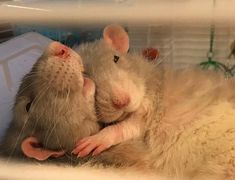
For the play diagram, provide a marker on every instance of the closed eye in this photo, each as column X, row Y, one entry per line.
column 28, row 106
column 115, row 58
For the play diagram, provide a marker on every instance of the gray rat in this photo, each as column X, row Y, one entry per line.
column 52, row 104
column 187, row 115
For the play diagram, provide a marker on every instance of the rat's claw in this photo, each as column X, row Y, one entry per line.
column 87, row 150
column 96, row 142
column 85, row 146
column 80, row 146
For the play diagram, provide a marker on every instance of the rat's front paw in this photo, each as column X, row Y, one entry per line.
column 95, row 143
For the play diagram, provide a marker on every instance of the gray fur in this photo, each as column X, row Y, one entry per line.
column 58, row 116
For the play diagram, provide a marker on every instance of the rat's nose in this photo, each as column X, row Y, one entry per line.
column 60, row 50
column 120, row 101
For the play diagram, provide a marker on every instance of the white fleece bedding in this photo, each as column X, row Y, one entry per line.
column 20, row 171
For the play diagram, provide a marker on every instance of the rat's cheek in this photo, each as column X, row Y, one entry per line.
column 88, row 88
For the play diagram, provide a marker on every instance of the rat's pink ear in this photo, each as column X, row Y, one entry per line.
column 117, row 38
column 32, row 149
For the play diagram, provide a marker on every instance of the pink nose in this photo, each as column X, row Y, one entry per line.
column 121, row 102
column 60, row 50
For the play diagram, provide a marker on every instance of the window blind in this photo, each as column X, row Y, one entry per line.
column 184, row 43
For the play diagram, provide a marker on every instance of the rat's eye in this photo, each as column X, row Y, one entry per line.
column 115, row 58
column 28, row 106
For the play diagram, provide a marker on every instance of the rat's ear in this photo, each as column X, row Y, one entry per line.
column 33, row 149
column 117, row 38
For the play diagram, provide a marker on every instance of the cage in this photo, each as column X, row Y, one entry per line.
column 183, row 33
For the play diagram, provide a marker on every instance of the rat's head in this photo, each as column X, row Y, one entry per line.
column 55, row 103
column 120, row 87
column 57, row 82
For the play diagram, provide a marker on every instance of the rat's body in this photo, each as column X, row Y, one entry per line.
column 189, row 114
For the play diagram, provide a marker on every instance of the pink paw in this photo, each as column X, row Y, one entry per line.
column 95, row 143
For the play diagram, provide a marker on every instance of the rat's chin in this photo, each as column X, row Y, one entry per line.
column 88, row 87
column 112, row 117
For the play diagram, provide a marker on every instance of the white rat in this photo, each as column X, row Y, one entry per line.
column 186, row 116
column 119, row 98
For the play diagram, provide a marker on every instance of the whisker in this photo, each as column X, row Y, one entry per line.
column 50, row 130
column 17, row 140
column 41, row 93
column 22, row 90
column 53, row 120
